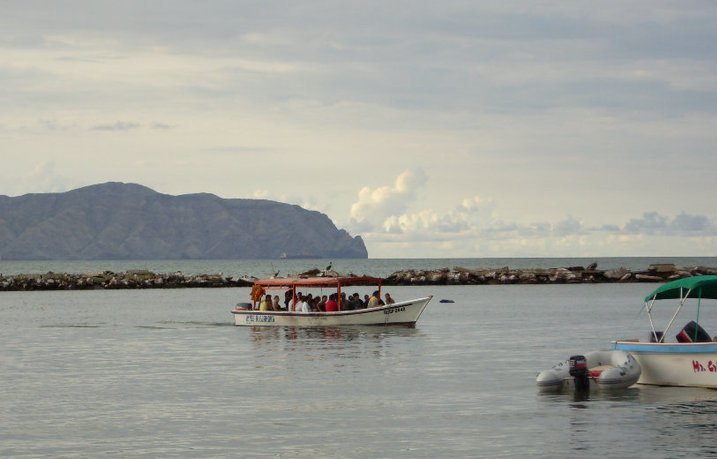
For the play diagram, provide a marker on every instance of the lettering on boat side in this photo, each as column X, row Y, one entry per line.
column 698, row 367
column 392, row 310
column 255, row 319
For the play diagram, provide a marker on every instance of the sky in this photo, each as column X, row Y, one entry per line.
column 431, row 129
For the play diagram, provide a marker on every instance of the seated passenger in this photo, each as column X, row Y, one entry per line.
column 322, row 303
column 349, row 304
column 357, row 303
column 296, row 300
column 265, row 304
column 302, row 305
column 276, row 306
column 331, row 304
column 375, row 300
column 389, row 300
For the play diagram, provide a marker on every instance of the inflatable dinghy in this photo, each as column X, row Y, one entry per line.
column 595, row 370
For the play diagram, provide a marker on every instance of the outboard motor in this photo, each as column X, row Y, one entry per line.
column 579, row 371
column 693, row 333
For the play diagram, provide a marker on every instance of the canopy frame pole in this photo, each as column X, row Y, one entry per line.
column 679, row 308
column 699, row 302
column 648, row 308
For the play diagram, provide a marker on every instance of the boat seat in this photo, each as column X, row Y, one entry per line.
column 595, row 372
column 652, row 337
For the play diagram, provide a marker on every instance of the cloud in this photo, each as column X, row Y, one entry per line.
column 692, row 223
column 162, row 126
column 569, row 226
column 118, row 126
column 46, row 177
column 385, row 210
column 652, row 223
column 376, row 205
column 308, row 202
column 649, row 224
column 242, row 150
column 473, row 225
column 653, row 234
column 416, row 222
column 469, row 216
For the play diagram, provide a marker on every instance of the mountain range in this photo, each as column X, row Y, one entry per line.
column 130, row 221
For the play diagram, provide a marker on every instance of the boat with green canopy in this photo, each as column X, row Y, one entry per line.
column 691, row 358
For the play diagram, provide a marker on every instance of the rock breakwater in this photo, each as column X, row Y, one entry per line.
column 123, row 280
column 570, row 275
column 141, row 279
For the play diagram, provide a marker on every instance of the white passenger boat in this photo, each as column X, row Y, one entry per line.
column 404, row 313
column 689, row 360
column 595, row 370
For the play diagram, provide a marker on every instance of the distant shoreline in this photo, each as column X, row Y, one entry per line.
column 144, row 279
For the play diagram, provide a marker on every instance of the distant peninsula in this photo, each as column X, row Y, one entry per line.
column 123, row 221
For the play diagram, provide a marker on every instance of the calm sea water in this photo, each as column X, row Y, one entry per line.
column 164, row 373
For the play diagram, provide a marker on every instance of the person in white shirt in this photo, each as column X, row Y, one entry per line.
column 302, row 305
column 295, row 301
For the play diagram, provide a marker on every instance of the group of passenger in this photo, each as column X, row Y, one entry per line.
column 324, row 303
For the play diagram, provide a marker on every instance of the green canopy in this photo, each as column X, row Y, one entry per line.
column 698, row 286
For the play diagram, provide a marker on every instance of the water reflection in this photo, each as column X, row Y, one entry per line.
column 584, row 400
column 196, row 323
column 329, row 333
column 676, row 395
column 346, row 342
column 683, row 419
column 671, row 420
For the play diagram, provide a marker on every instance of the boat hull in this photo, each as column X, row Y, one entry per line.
column 674, row 364
column 404, row 313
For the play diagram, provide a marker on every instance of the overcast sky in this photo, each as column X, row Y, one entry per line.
column 431, row 129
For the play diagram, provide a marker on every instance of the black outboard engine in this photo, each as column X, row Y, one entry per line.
column 693, row 333
column 579, row 371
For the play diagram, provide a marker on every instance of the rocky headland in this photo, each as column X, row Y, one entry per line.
column 142, row 279
column 126, row 221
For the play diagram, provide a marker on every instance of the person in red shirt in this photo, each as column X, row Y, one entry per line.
column 331, row 304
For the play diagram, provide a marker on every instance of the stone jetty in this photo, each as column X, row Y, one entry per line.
column 137, row 279
column 571, row 275
column 141, row 279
